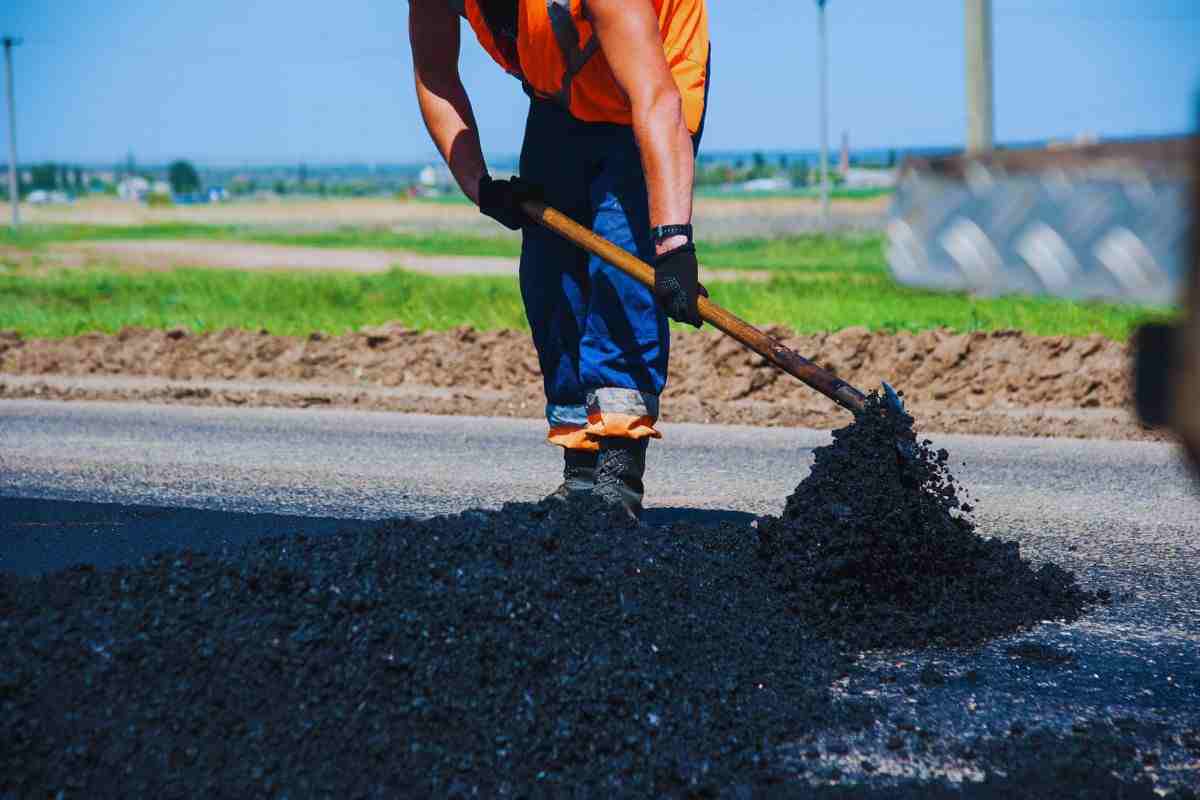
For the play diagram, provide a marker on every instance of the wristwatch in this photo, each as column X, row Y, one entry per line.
column 663, row 232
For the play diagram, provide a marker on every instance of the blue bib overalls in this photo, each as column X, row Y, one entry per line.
column 601, row 337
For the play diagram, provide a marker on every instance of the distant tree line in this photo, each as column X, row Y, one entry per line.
column 53, row 177
column 183, row 177
column 799, row 172
column 720, row 173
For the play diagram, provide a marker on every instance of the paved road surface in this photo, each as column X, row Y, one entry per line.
column 1124, row 515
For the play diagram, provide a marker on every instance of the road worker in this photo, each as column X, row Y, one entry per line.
column 618, row 93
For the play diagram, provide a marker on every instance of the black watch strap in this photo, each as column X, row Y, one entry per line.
column 662, row 232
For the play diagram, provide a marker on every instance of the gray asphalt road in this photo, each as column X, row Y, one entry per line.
column 1124, row 515
column 1128, row 503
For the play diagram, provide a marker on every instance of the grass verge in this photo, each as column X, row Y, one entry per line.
column 856, row 253
column 71, row 301
column 34, row 237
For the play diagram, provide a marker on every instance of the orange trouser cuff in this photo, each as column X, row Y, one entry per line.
column 610, row 413
column 622, row 413
column 622, row 426
column 572, row 437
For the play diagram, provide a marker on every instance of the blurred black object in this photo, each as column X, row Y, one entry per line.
column 1166, row 360
column 1153, row 347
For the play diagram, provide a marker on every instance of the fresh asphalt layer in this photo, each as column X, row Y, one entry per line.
column 109, row 483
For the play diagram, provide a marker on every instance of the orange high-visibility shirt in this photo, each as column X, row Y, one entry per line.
column 557, row 56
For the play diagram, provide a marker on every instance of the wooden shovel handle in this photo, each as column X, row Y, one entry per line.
column 787, row 360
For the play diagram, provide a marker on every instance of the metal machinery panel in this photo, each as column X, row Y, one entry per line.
column 1107, row 221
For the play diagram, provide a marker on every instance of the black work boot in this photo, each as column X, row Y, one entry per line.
column 619, row 473
column 579, row 475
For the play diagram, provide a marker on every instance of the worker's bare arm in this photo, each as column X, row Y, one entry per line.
column 433, row 30
column 631, row 42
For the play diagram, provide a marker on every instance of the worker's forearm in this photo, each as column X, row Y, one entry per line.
column 667, row 160
column 451, row 124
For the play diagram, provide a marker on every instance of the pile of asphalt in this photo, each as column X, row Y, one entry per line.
column 534, row 650
column 500, row 652
column 877, row 547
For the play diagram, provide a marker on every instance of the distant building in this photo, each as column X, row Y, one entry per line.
column 858, row 178
column 133, row 188
column 434, row 180
column 844, row 161
column 41, row 197
column 1078, row 140
column 766, row 185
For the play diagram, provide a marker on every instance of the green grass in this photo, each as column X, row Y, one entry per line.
column 454, row 244
column 69, row 302
column 856, row 253
column 832, row 303
column 34, row 237
column 717, row 193
column 72, row 301
column 819, row 283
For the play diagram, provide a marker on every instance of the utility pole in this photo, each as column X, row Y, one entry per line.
column 980, row 103
column 823, row 77
column 13, row 191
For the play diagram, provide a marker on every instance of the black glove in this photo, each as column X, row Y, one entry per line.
column 501, row 200
column 676, row 285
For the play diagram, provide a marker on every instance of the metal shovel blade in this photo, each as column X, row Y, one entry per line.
column 906, row 449
column 892, row 397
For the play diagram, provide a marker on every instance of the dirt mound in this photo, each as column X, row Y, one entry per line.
column 529, row 651
column 1006, row 368
column 1004, row 382
column 876, row 545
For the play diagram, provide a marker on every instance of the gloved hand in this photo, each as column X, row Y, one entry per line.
column 676, row 284
column 501, row 200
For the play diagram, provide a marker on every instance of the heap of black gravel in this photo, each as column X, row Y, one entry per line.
column 876, row 547
column 518, row 652
column 499, row 652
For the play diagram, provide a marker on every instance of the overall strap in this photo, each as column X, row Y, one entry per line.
column 567, row 35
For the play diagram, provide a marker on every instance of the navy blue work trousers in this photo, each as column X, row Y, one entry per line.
column 601, row 337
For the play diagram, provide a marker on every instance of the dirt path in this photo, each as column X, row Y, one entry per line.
column 174, row 253
column 170, row 253
column 717, row 218
column 998, row 383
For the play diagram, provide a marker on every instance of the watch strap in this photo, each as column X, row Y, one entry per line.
column 663, row 232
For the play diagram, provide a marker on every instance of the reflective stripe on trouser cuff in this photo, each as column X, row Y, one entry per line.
column 573, row 437
column 624, row 413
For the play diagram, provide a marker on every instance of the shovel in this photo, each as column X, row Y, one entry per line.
column 786, row 359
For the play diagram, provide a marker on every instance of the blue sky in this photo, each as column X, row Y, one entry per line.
column 283, row 81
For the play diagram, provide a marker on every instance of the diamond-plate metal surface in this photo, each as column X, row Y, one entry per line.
column 1107, row 227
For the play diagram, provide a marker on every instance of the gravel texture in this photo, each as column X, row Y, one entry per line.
column 537, row 650
column 876, row 545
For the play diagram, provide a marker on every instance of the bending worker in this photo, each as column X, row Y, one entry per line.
column 617, row 91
